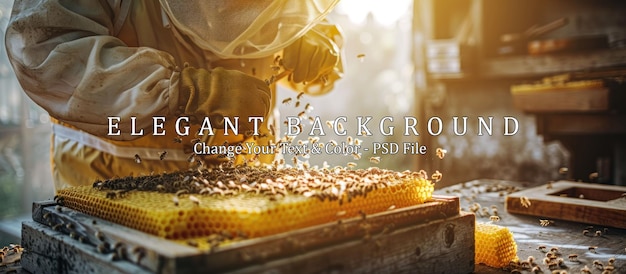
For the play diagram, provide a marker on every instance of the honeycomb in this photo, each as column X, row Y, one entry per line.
column 244, row 200
column 495, row 245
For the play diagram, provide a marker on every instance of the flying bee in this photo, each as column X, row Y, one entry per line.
column 272, row 130
column 330, row 124
column 356, row 156
column 298, row 103
column 286, row 101
column 137, row 159
column 351, row 164
column 162, row 155
column 339, row 126
column 299, row 95
column 177, row 139
column 333, row 142
column 375, row 159
column 302, row 114
column 361, row 57
column 563, row 170
column 494, row 218
column 308, row 107
column 441, row 152
column 191, row 158
column 437, row 176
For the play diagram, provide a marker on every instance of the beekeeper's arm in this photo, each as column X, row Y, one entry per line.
column 315, row 60
column 69, row 62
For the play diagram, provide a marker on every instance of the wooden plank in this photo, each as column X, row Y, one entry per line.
column 441, row 246
column 159, row 255
column 573, row 201
column 49, row 251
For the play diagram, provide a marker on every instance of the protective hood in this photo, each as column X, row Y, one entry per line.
column 244, row 28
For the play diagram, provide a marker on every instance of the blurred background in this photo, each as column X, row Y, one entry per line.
column 426, row 58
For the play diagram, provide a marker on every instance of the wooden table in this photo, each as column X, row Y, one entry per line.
column 529, row 234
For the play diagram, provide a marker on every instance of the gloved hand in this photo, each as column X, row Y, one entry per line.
column 223, row 93
column 314, row 55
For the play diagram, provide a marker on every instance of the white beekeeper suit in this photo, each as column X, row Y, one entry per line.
column 85, row 61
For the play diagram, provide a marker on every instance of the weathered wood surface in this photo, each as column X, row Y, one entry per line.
column 428, row 237
column 529, row 234
column 574, row 201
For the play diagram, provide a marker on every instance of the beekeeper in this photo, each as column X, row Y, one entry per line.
column 86, row 61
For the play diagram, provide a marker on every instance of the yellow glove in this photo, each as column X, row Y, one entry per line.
column 315, row 55
column 223, row 93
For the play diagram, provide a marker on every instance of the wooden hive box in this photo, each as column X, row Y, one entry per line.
column 434, row 237
column 573, row 201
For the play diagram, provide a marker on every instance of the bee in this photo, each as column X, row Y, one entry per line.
column 194, row 200
column 494, row 218
column 175, row 200
column 57, row 227
column 308, row 107
column 598, row 264
column 361, row 57
column 330, row 124
column 542, row 248
column 162, row 155
column 611, row 260
column 440, row 153
column 536, row 269
column 525, row 201
column 437, row 176
column 286, row 101
column 592, row 249
column 560, row 262
column 585, row 270
column 351, row 164
column 137, row 159
column 181, row 192
column 553, row 265
column 586, row 232
column 333, row 142
column 546, row 222
column 375, row 160
column 598, row 233
column 302, row 114
column 356, row 156
column 299, row 95
column 573, row 257
column 177, row 139
column 339, row 126
column 102, row 248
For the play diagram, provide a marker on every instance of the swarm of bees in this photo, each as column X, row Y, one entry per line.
column 334, row 184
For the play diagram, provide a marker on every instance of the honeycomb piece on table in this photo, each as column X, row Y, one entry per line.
column 495, row 245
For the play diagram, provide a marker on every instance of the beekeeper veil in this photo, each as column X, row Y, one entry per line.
column 243, row 28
